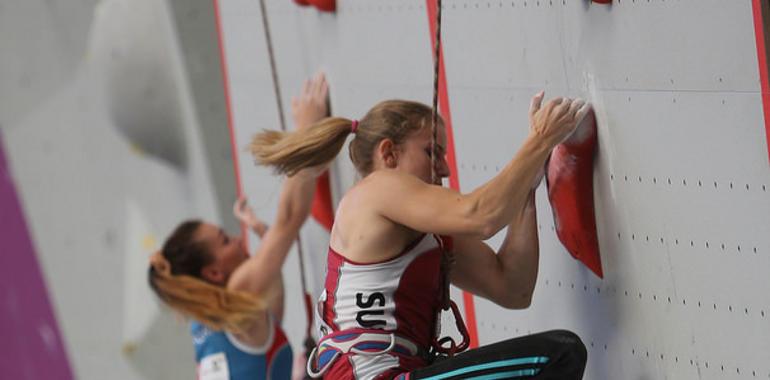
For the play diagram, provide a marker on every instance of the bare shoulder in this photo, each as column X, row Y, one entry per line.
column 388, row 176
column 380, row 189
column 378, row 177
column 387, row 182
column 366, row 194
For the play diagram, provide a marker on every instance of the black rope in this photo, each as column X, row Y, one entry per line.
column 447, row 259
column 273, row 69
column 436, row 74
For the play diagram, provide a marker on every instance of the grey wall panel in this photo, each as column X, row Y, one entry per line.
column 33, row 32
column 195, row 30
column 79, row 196
column 97, row 205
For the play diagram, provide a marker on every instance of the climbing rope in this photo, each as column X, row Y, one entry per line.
column 436, row 74
column 444, row 346
column 309, row 342
column 273, row 68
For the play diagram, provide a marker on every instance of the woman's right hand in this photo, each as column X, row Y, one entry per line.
column 555, row 121
column 311, row 106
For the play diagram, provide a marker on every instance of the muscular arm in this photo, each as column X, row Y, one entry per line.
column 508, row 277
column 263, row 269
column 408, row 201
column 486, row 210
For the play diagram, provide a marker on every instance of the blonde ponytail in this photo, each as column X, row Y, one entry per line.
column 174, row 276
column 212, row 305
column 290, row 152
column 319, row 144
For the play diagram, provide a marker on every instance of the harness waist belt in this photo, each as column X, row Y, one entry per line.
column 359, row 342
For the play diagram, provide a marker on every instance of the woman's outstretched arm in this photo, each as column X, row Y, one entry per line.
column 407, row 200
column 260, row 272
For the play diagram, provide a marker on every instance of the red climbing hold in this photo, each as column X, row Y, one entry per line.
column 323, row 5
column 570, row 190
column 602, row 1
column 322, row 208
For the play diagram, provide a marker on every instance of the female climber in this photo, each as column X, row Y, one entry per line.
column 399, row 237
column 234, row 301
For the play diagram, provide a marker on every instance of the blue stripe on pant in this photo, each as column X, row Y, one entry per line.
column 495, row 365
column 557, row 354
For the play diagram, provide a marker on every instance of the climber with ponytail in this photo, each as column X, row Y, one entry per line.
column 399, row 238
column 289, row 152
column 234, row 301
column 194, row 294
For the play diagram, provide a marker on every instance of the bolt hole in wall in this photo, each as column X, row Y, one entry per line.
column 669, row 181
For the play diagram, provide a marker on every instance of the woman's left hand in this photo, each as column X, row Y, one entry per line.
column 246, row 215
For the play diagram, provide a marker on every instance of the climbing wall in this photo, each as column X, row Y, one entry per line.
column 117, row 116
column 680, row 180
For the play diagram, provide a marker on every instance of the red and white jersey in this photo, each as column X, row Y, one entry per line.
column 400, row 295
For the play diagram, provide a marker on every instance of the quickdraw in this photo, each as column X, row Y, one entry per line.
column 447, row 346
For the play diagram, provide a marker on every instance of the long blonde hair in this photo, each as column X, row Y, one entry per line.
column 290, row 152
column 174, row 275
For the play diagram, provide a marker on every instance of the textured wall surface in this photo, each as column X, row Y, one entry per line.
column 681, row 176
column 681, row 179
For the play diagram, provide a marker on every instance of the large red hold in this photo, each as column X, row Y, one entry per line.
column 570, row 189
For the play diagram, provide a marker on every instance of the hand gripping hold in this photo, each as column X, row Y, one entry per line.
column 570, row 190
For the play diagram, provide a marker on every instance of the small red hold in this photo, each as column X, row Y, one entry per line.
column 602, row 1
column 302, row 3
column 570, row 190
column 324, row 5
column 322, row 208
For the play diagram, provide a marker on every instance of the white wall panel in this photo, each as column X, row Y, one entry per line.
column 681, row 176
